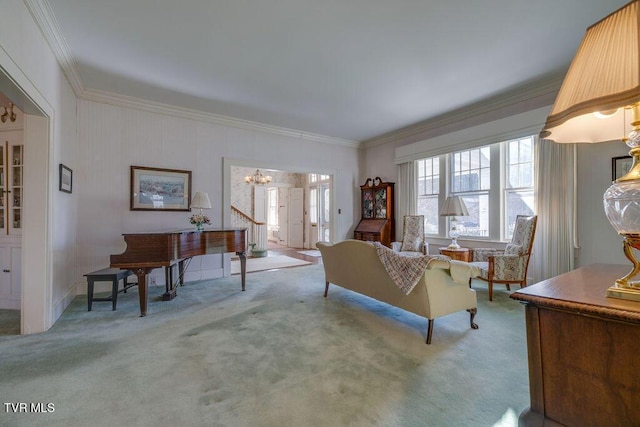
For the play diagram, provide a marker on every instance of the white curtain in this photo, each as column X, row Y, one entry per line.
column 555, row 185
column 406, row 194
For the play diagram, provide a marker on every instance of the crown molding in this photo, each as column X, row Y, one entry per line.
column 110, row 98
column 547, row 86
column 45, row 19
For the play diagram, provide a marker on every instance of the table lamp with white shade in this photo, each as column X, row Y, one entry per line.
column 200, row 201
column 454, row 207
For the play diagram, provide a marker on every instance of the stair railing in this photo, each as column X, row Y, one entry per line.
column 257, row 230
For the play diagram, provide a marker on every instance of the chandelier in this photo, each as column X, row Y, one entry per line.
column 257, row 178
column 8, row 113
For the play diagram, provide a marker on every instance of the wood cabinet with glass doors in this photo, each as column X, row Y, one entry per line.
column 377, row 223
column 11, row 188
column 11, row 218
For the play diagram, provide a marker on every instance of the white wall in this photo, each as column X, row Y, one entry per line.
column 26, row 57
column 597, row 239
column 112, row 138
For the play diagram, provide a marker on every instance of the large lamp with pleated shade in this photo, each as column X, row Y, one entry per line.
column 599, row 101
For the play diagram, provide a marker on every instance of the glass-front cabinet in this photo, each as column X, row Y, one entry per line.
column 11, row 214
column 377, row 223
column 11, row 188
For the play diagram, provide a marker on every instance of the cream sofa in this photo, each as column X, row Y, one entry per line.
column 355, row 265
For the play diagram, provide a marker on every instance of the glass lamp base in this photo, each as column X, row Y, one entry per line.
column 622, row 207
column 454, row 244
column 624, row 287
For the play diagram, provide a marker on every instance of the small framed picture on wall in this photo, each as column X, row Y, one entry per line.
column 66, row 179
column 620, row 166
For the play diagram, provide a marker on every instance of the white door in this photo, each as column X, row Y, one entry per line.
column 296, row 217
column 325, row 212
column 283, row 216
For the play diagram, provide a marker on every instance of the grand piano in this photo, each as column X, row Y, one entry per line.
column 146, row 251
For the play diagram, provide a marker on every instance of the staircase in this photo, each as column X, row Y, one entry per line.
column 257, row 231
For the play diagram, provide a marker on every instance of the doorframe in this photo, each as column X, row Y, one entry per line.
column 37, row 281
column 229, row 162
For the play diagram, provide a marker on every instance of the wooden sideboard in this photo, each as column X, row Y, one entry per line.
column 582, row 350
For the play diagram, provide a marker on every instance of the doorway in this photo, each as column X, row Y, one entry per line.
column 292, row 202
column 12, row 167
column 36, row 280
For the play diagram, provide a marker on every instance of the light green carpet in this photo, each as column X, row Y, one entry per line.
column 9, row 322
column 279, row 354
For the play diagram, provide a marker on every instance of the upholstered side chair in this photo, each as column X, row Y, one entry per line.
column 509, row 265
column 413, row 238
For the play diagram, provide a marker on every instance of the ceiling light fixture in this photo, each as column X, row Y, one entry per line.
column 8, row 114
column 257, row 178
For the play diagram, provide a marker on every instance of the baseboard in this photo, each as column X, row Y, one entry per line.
column 61, row 305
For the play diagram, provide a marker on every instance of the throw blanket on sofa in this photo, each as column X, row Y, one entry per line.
column 405, row 271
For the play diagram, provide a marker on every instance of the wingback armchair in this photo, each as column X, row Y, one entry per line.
column 509, row 265
column 413, row 238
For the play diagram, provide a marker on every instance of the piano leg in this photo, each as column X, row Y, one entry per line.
column 243, row 266
column 142, row 288
column 170, row 293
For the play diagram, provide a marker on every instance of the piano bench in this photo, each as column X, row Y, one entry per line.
column 113, row 275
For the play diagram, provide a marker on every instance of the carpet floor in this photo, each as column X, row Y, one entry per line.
column 279, row 354
column 267, row 263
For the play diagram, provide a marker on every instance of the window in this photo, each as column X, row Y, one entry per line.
column 519, row 195
column 272, row 196
column 428, row 191
column 313, row 205
column 471, row 180
column 495, row 181
column 314, row 177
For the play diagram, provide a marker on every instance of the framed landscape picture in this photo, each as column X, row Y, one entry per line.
column 155, row 189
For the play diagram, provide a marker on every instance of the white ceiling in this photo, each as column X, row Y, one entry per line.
column 350, row 69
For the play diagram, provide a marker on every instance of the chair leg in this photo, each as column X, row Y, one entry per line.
column 473, row 312
column 326, row 289
column 490, row 291
column 429, row 330
column 508, row 287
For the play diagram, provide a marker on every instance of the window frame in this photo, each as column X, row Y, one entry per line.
column 497, row 193
column 507, row 189
column 434, row 193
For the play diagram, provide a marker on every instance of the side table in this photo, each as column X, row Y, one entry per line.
column 462, row 254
